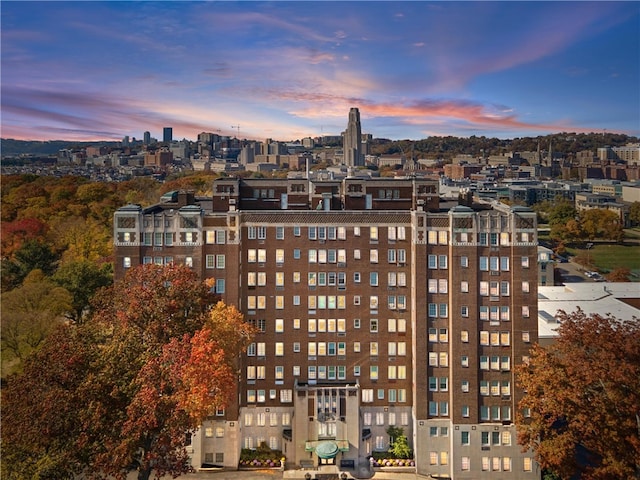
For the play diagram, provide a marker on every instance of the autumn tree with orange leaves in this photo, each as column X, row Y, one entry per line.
column 582, row 399
column 123, row 389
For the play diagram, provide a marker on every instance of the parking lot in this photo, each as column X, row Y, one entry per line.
column 570, row 272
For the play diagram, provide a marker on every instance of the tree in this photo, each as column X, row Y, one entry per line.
column 583, row 395
column 159, row 359
column 560, row 215
column 601, row 223
column 15, row 233
column 82, row 279
column 399, row 445
column 634, row 213
column 32, row 255
column 29, row 314
column 81, row 239
column 621, row 274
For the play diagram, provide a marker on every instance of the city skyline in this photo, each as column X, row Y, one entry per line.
column 288, row 70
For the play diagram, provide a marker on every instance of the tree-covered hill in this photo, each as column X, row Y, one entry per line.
column 438, row 147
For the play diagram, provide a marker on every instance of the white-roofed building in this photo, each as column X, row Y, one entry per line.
column 620, row 299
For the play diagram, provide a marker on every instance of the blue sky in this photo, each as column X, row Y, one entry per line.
column 291, row 69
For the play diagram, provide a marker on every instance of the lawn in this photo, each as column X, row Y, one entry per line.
column 607, row 257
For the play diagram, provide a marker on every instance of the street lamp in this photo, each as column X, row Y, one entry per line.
column 589, row 245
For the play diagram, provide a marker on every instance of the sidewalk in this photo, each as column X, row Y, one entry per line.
column 273, row 475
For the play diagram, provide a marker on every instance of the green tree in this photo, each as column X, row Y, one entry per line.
column 583, row 395
column 82, row 279
column 32, row 255
column 29, row 314
column 154, row 359
column 562, row 212
column 399, row 445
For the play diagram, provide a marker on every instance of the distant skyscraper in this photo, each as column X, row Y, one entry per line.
column 352, row 140
column 167, row 134
column 147, row 138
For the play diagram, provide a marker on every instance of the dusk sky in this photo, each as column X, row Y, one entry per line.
column 291, row 69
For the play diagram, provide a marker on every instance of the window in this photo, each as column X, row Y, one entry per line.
column 443, row 335
column 367, row 396
column 464, row 262
column 126, row 262
column 279, row 325
column 465, row 463
column 464, row 438
column 527, row 465
column 433, row 384
column 373, row 279
column 443, row 384
column 373, row 255
column 443, row 358
column 465, row 411
column 525, row 262
column 373, row 233
column 484, row 362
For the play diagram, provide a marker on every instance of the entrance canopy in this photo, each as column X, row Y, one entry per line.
column 327, row 449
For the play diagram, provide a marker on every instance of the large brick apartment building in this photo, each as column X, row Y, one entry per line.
column 376, row 306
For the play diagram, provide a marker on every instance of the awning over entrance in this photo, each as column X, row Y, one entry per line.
column 312, row 445
column 327, row 449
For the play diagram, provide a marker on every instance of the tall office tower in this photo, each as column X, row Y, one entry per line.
column 376, row 306
column 167, row 134
column 352, row 140
column 146, row 138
